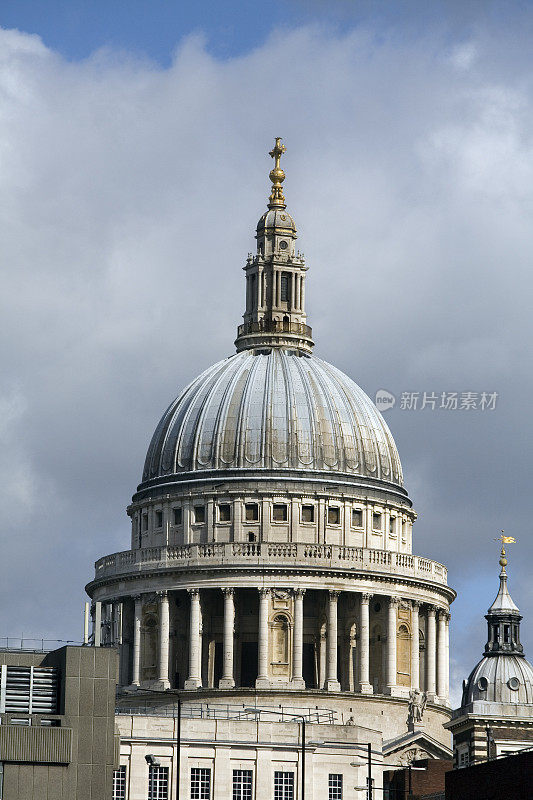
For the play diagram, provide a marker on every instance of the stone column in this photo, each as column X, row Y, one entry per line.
column 228, row 681
column 415, row 645
column 164, row 632
column 194, row 681
column 430, row 653
column 262, row 681
column 298, row 640
column 441, row 655
column 365, row 687
column 137, row 615
column 332, row 684
column 447, row 661
column 392, row 625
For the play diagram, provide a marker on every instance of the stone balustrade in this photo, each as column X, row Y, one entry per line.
column 264, row 554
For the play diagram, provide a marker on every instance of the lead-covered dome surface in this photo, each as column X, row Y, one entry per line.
column 276, row 218
column 275, row 410
column 504, row 678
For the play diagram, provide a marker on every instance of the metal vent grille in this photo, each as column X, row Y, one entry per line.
column 30, row 690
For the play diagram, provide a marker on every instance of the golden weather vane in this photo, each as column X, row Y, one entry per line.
column 504, row 540
column 277, row 176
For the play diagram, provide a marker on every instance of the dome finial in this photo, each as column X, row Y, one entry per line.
column 504, row 540
column 277, row 176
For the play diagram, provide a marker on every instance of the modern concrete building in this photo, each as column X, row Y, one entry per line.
column 271, row 564
column 57, row 731
column 496, row 712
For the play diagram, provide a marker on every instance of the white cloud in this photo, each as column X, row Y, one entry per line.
column 129, row 196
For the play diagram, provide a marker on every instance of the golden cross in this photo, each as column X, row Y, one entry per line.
column 277, row 152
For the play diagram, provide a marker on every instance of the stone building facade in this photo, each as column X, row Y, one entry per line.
column 271, row 556
column 57, row 731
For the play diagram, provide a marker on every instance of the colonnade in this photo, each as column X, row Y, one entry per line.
column 436, row 682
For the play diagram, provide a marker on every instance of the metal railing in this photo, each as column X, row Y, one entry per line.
column 29, row 645
column 317, row 716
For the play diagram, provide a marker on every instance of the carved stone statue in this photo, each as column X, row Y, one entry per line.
column 417, row 705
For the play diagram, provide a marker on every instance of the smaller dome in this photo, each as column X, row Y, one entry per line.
column 500, row 679
column 276, row 218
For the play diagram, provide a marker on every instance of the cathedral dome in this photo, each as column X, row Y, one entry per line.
column 503, row 678
column 273, row 409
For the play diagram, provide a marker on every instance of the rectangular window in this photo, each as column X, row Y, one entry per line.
column 376, row 521
column 242, row 784
column 251, row 512
column 308, row 513
column 178, row 516
column 334, row 515
column 285, row 293
column 119, row 783
column 392, row 526
column 199, row 514
column 279, row 512
column 335, row 787
column 224, row 512
column 284, row 785
column 251, row 536
column 200, row 783
column 157, row 783
column 145, row 522
column 357, row 518
column 158, row 519
column 404, row 530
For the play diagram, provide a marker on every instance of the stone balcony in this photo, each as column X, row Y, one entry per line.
column 268, row 555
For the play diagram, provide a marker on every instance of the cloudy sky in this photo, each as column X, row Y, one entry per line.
column 133, row 164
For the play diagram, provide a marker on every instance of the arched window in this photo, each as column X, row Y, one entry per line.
column 280, row 640
column 403, row 656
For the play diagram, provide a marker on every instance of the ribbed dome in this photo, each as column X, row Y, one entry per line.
column 500, row 679
column 276, row 410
